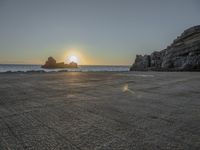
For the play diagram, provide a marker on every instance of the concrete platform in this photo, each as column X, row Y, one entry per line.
column 101, row 111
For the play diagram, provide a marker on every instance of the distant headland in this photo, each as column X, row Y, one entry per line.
column 182, row 55
column 51, row 64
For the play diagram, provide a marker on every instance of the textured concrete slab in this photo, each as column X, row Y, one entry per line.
column 103, row 111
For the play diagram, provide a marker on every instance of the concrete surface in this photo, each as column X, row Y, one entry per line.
column 101, row 111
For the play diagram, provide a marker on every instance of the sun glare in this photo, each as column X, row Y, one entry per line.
column 73, row 55
column 73, row 59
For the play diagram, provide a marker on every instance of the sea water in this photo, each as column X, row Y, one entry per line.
column 82, row 68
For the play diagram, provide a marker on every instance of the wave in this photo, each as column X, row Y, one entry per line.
column 15, row 68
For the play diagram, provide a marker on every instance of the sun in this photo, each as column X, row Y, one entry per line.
column 73, row 59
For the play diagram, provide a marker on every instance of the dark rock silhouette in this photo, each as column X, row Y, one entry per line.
column 51, row 64
column 182, row 55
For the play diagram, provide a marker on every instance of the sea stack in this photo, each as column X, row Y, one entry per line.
column 51, row 64
column 182, row 55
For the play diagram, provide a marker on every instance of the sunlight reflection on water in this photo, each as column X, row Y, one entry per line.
column 126, row 89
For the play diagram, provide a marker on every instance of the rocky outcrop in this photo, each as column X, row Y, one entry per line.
column 182, row 55
column 51, row 64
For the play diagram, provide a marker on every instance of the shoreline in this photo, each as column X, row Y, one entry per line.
column 60, row 71
column 37, row 68
column 65, row 71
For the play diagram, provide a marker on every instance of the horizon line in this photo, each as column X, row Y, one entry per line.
column 78, row 65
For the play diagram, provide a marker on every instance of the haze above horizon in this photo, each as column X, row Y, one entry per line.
column 97, row 32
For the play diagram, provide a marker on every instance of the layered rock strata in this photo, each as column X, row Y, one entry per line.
column 182, row 55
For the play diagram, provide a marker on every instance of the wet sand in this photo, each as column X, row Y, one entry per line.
column 102, row 111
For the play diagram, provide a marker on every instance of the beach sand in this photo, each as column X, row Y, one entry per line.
column 102, row 111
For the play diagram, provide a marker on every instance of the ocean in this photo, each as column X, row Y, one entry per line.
column 81, row 68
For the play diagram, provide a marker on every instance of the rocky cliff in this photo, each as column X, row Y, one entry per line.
column 182, row 55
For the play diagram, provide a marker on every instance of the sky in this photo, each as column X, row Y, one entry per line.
column 98, row 32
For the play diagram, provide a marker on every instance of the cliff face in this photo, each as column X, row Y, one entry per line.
column 182, row 55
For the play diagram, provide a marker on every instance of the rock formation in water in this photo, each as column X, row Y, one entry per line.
column 182, row 55
column 51, row 64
